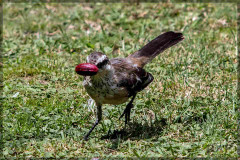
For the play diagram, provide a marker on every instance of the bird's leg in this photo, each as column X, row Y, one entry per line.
column 128, row 110
column 99, row 117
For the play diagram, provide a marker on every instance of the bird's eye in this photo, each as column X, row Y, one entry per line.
column 101, row 64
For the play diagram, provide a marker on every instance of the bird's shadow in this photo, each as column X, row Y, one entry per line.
column 137, row 130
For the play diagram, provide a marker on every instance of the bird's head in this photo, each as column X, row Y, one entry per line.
column 97, row 62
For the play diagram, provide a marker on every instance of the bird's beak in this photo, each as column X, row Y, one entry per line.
column 86, row 69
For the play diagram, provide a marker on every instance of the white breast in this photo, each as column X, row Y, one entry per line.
column 104, row 90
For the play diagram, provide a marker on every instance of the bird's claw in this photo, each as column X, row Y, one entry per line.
column 85, row 138
column 127, row 112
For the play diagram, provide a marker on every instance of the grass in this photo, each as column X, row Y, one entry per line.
column 189, row 110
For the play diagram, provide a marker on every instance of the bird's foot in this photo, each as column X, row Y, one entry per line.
column 85, row 138
column 127, row 112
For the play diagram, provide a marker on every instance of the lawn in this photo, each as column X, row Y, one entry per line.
column 189, row 110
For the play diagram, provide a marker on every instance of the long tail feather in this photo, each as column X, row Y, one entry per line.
column 156, row 46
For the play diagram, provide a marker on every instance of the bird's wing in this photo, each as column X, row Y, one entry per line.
column 132, row 77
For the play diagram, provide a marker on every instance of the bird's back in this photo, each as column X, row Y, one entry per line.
column 130, row 76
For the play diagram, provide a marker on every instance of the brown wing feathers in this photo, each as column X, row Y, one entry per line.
column 130, row 70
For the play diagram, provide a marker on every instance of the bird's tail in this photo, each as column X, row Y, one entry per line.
column 155, row 47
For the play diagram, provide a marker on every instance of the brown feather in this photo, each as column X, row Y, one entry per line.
column 155, row 47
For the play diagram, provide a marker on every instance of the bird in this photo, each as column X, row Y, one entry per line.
column 114, row 81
